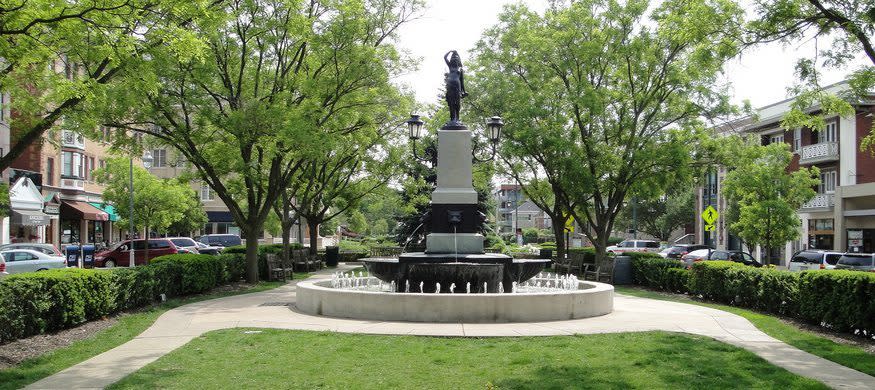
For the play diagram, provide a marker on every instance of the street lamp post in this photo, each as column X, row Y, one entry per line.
column 147, row 162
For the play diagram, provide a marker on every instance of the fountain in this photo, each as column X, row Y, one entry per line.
column 498, row 288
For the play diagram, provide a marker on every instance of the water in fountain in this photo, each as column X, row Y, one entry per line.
column 468, row 288
column 548, row 282
column 452, row 288
column 437, row 288
column 421, row 284
column 407, row 286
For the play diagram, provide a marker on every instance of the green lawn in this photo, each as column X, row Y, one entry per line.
column 128, row 327
column 844, row 354
column 269, row 358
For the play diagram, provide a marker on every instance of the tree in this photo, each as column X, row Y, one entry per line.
column 59, row 57
column 252, row 105
column 848, row 26
column 158, row 203
column 193, row 218
column 766, row 196
column 613, row 97
column 379, row 228
column 357, row 222
column 661, row 216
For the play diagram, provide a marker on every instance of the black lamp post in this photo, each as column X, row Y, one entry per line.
column 493, row 133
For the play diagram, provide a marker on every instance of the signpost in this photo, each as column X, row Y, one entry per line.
column 710, row 216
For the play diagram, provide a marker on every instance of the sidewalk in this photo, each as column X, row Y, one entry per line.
column 275, row 309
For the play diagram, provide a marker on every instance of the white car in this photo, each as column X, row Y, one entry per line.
column 28, row 260
column 634, row 246
column 814, row 259
column 184, row 244
column 694, row 256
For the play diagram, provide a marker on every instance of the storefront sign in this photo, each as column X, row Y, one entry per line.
column 855, row 234
column 53, row 209
column 29, row 218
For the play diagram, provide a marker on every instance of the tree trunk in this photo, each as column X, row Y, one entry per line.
column 559, row 237
column 251, row 254
column 286, row 222
column 146, row 245
column 314, row 233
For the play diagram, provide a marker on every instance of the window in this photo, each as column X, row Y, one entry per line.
column 828, row 134
column 2, row 107
column 159, row 244
column 776, row 138
column 827, row 182
column 206, row 193
column 797, row 139
column 160, row 158
column 50, row 171
column 72, row 164
column 91, row 167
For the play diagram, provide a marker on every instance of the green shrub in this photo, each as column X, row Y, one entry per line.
column 645, row 255
column 199, row 273
column 352, row 246
column 588, row 253
column 765, row 289
column 34, row 303
column 134, row 287
column 841, row 300
column 234, row 266
column 659, row 273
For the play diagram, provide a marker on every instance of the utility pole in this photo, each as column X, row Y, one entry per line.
column 131, row 228
column 634, row 218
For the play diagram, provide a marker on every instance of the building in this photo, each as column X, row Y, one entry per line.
column 507, row 198
column 841, row 216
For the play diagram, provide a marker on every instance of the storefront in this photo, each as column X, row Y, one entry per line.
column 103, row 232
column 821, row 233
column 79, row 222
column 27, row 220
column 861, row 240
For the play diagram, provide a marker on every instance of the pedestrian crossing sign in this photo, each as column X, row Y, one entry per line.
column 710, row 215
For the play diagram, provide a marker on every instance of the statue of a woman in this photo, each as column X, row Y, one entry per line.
column 455, row 80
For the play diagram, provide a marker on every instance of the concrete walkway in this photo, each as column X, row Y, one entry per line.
column 270, row 309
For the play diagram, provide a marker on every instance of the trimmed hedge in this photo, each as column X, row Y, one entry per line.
column 765, row 289
column 838, row 299
column 659, row 273
column 48, row 301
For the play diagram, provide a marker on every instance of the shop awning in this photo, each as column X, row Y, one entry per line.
column 72, row 209
column 219, row 216
column 106, row 208
column 30, row 218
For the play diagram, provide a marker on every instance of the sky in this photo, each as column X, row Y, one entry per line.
column 760, row 76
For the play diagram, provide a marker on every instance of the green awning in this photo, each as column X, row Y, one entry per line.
column 50, row 195
column 107, row 208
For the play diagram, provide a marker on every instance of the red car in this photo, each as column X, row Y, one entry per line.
column 119, row 254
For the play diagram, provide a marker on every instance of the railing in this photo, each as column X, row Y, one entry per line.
column 824, row 151
column 73, row 184
column 820, row 201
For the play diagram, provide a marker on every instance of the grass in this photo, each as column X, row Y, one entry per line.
column 128, row 326
column 271, row 358
column 844, row 354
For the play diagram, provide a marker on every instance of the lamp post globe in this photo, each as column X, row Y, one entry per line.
column 147, row 159
column 493, row 128
column 414, row 125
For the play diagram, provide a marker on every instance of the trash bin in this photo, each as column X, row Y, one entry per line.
column 87, row 256
column 622, row 270
column 332, row 255
column 72, row 254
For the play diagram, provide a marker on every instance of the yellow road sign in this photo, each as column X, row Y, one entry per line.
column 709, row 228
column 569, row 224
column 710, row 215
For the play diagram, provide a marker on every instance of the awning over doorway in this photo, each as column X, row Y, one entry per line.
column 30, row 218
column 107, row 208
column 219, row 216
column 72, row 209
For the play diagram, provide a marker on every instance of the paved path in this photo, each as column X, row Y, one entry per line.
column 270, row 309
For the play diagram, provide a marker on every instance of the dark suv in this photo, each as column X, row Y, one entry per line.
column 679, row 250
column 736, row 256
column 223, row 240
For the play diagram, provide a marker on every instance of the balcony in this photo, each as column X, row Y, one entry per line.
column 818, row 153
column 820, row 202
column 72, row 184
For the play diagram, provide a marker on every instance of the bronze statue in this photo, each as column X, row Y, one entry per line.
column 455, row 80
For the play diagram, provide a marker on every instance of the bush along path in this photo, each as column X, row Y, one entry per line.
column 270, row 309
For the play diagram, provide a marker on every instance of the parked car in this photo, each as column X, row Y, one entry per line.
column 814, row 259
column 857, row 262
column 736, row 256
column 48, row 249
column 221, row 240
column 679, row 250
column 207, row 249
column 119, row 254
column 696, row 255
column 29, row 260
column 634, row 246
column 184, row 244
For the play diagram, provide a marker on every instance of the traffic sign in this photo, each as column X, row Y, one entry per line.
column 709, row 228
column 710, row 215
column 569, row 224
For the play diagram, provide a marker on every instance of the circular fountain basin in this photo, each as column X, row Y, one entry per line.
column 487, row 269
column 589, row 300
